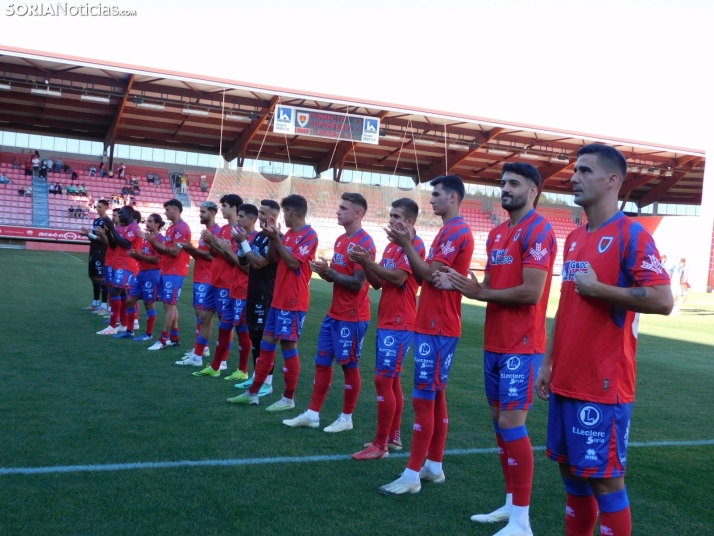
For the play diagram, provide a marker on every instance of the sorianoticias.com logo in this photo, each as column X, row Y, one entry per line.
column 63, row 9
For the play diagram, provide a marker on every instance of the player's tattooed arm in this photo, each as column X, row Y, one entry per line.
column 353, row 282
column 637, row 292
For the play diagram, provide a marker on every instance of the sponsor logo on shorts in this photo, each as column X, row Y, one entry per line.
column 589, row 415
column 590, row 454
column 424, row 348
column 345, row 332
column 388, row 340
column 513, row 363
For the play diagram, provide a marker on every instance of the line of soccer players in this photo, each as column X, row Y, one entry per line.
column 586, row 369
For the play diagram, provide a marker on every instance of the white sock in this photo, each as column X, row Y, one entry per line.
column 346, row 417
column 509, row 500
column 95, row 303
column 433, row 467
column 411, row 475
column 519, row 515
column 269, row 380
column 104, row 306
column 314, row 415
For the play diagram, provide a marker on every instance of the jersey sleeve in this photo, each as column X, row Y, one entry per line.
column 368, row 244
column 450, row 245
column 642, row 261
column 305, row 250
column 539, row 247
column 487, row 269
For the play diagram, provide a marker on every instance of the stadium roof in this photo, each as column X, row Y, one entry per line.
column 416, row 142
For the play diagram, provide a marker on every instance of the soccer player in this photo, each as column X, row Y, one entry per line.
column 521, row 252
column 123, row 239
column 395, row 328
column 108, row 260
column 437, row 329
column 202, row 268
column 611, row 273
column 288, row 309
column 223, row 272
column 346, row 323
column 146, row 283
column 97, row 254
column 174, row 269
column 261, row 283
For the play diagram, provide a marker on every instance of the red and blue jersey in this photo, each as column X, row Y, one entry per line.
column 110, row 257
column 530, row 243
column 595, row 342
column 170, row 265
column 223, row 273
column 292, row 287
column 439, row 311
column 122, row 261
column 202, row 268
column 239, row 285
column 347, row 304
column 397, row 306
column 148, row 250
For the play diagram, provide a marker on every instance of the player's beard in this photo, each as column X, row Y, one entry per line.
column 512, row 203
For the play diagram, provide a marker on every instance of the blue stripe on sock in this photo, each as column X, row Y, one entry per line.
column 613, row 502
column 424, row 395
column 150, row 313
column 287, row 354
column 513, row 434
column 579, row 488
column 267, row 346
column 130, row 310
column 201, row 340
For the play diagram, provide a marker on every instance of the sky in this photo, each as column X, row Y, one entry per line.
column 630, row 69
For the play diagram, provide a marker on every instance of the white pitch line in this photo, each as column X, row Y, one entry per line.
column 76, row 258
column 264, row 461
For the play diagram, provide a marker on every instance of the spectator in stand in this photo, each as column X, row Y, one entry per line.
column 125, row 190
column 54, row 189
column 64, row 190
column 135, row 181
column 28, row 191
column 21, row 192
column 75, row 176
column 4, row 179
column 121, row 171
column 93, row 171
column 59, row 165
column 90, row 203
column 35, row 165
column 157, row 181
column 50, row 163
column 71, row 190
column 82, row 190
column 204, row 184
column 28, row 167
column 43, row 171
column 102, row 171
column 16, row 163
column 132, row 200
column 149, row 178
column 137, row 190
column 184, row 183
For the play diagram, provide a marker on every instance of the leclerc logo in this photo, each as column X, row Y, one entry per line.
column 370, row 125
column 424, row 349
column 388, row 340
column 513, row 363
column 344, row 333
column 589, row 415
column 201, row 288
column 223, row 293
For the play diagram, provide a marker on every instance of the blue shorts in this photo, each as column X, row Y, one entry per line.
column 392, row 346
column 171, row 288
column 589, row 436
column 217, row 300
column 123, row 278
column 284, row 325
column 510, row 379
column 238, row 312
column 108, row 275
column 342, row 340
column 433, row 355
column 146, row 285
column 200, row 291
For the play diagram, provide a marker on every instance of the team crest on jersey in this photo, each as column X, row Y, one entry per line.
column 297, row 239
column 654, row 264
column 538, row 252
column 447, row 249
column 350, row 246
column 605, row 243
column 518, row 235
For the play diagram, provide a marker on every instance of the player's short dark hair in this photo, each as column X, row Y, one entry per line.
column 137, row 215
column 527, row 171
column 270, row 203
column 450, row 183
column 356, row 198
column 103, row 202
column 248, row 209
column 158, row 219
column 232, row 200
column 608, row 157
column 410, row 208
column 296, row 203
column 174, row 203
column 117, row 209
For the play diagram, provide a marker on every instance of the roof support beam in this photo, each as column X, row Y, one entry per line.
column 112, row 130
column 440, row 167
column 656, row 193
column 238, row 148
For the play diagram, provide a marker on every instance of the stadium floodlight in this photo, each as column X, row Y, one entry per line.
column 668, row 173
column 95, row 98
column 5, row 86
column 560, row 159
column 391, row 137
column 235, row 117
column 529, row 156
column 151, row 106
column 634, row 169
column 458, row 146
column 46, row 92
column 431, row 143
column 193, row 111
column 499, row 152
column 654, row 171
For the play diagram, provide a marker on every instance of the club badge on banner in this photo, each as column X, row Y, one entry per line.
column 323, row 124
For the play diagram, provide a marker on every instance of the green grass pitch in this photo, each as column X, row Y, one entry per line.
column 70, row 397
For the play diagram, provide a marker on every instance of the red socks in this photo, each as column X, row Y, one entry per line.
column 616, row 523
column 580, row 515
column 423, row 431
column 395, row 432
column 441, row 427
column 225, row 336
column 353, row 385
column 386, row 408
column 263, row 366
column 246, row 346
column 291, row 372
column 323, row 380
